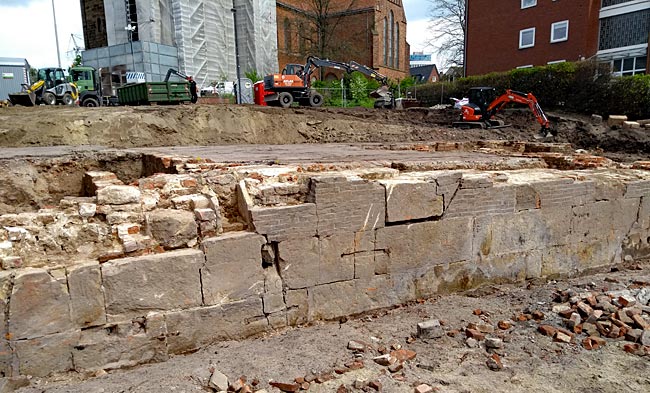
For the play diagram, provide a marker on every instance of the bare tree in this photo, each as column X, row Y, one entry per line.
column 448, row 25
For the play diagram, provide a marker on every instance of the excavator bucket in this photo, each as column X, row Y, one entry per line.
column 23, row 98
column 382, row 92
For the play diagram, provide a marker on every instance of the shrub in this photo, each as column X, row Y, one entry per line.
column 582, row 87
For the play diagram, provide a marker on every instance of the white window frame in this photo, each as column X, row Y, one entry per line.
column 521, row 33
column 525, row 66
column 553, row 25
column 527, row 4
column 556, row 61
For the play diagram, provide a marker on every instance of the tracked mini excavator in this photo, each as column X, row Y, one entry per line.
column 294, row 84
column 482, row 106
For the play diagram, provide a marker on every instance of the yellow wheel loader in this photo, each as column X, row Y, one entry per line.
column 51, row 88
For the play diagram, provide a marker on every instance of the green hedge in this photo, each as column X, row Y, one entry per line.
column 582, row 87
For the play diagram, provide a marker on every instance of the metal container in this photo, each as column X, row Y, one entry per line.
column 154, row 93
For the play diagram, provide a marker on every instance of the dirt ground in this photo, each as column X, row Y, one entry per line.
column 531, row 361
column 229, row 124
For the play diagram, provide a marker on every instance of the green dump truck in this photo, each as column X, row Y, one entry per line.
column 101, row 88
column 160, row 93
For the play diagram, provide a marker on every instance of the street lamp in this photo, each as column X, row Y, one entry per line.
column 238, row 87
column 56, row 35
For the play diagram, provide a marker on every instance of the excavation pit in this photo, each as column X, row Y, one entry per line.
column 159, row 251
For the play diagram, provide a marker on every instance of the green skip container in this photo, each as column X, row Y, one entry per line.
column 161, row 93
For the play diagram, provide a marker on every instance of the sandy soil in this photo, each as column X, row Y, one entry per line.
column 531, row 361
column 230, row 124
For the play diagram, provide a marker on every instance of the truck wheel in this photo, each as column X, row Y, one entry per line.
column 49, row 98
column 67, row 99
column 315, row 100
column 286, row 99
column 90, row 102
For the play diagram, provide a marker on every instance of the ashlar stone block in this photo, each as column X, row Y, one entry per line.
column 40, row 305
column 135, row 286
column 423, row 244
column 411, row 200
column 233, row 267
column 86, row 296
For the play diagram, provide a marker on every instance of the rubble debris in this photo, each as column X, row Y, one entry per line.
column 494, row 362
column 423, row 388
column 218, row 381
column 430, row 329
column 285, row 387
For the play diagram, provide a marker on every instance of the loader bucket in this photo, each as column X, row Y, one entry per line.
column 23, row 98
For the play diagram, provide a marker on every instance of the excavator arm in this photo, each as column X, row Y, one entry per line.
column 314, row 62
column 178, row 73
column 521, row 98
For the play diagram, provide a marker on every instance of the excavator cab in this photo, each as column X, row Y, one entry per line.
column 293, row 69
column 481, row 97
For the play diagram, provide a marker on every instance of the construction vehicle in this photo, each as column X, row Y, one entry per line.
column 294, row 84
column 91, row 93
column 189, row 79
column 51, row 88
column 482, row 106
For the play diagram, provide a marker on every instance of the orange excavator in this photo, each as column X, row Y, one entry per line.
column 294, row 84
column 480, row 110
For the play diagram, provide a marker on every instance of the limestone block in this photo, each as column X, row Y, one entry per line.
column 478, row 201
column 192, row 329
column 448, row 278
column 273, row 302
column 87, row 209
column 285, row 222
column 122, row 345
column 135, row 286
column 512, row 267
column 407, row 201
column 40, row 305
column 524, row 231
column 336, row 261
column 616, row 120
column 631, row 125
column 118, row 195
column 639, row 188
column 299, row 262
column 205, row 214
column 604, row 220
column 172, row 228
column 448, row 183
column 6, row 358
column 564, row 192
column 364, row 264
column 297, row 302
column 342, row 298
column 348, row 205
column 45, row 355
column 526, row 198
column 427, row 243
column 191, row 202
column 579, row 257
column 233, row 267
column 86, row 296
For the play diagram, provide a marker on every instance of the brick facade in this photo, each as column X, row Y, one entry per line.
column 94, row 23
column 493, row 33
column 354, row 31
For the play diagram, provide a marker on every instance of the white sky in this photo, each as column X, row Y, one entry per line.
column 28, row 29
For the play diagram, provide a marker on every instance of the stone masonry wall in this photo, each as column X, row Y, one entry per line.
column 132, row 274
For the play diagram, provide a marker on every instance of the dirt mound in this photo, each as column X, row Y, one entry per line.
column 229, row 124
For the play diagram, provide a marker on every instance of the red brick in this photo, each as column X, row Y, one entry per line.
column 475, row 334
column 285, row 387
column 504, row 325
column 547, row 330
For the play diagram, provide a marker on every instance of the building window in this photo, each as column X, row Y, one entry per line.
column 391, row 40
column 528, row 3
column 396, row 45
column 560, row 31
column 525, row 66
column 630, row 66
column 385, row 41
column 132, row 19
column 556, row 61
column 527, row 38
column 287, row 35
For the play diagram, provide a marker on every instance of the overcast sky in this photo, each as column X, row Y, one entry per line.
column 28, row 29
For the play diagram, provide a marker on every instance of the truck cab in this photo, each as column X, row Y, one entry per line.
column 85, row 78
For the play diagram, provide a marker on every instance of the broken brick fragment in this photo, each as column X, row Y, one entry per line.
column 285, row 387
column 547, row 330
column 475, row 334
column 494, row 362
column 375, row 385
column 504, row 325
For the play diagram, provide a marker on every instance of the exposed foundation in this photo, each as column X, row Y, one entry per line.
column 149, row 255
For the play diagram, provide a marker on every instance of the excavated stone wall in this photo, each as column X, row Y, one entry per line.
column 134, row 273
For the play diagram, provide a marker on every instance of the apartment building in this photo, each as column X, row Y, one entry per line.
column 507, row 34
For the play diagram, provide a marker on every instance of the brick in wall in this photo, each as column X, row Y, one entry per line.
column 478, row 201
